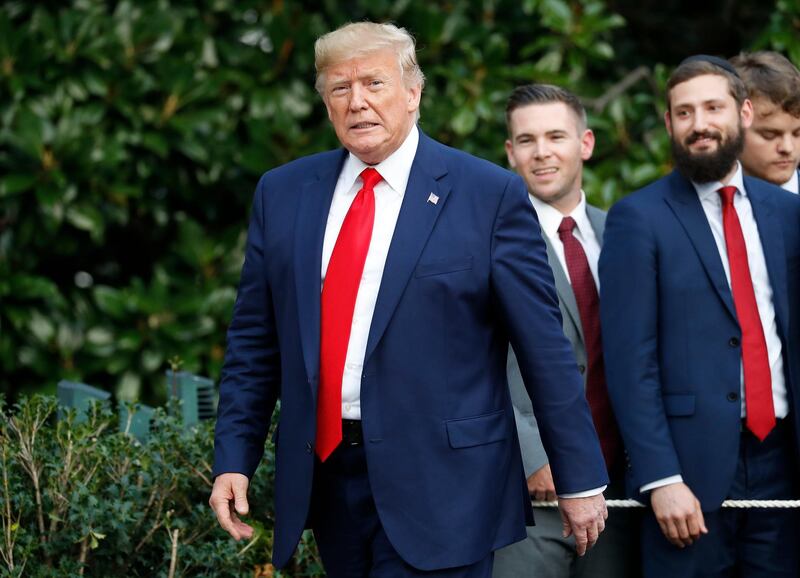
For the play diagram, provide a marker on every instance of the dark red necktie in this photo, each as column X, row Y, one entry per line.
column 760, row 417
column 339, row 294
column 585, row 290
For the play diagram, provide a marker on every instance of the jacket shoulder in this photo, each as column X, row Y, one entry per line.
column 469, row 167
column 300, row 169
column 648, row 196
column 781, row 196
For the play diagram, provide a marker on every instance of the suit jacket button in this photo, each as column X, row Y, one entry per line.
column 309, row 447
column 733, row 342
column 582, row 369
column 733, row 396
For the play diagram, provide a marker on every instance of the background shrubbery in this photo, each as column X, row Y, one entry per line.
column 86, row 499
column 132, row 134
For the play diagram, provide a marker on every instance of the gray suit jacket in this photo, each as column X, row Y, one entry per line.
column 533, row 454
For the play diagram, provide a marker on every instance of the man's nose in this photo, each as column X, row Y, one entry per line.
column 786, row 144
column 541, row 150
column 700, row 121
column 357, row 100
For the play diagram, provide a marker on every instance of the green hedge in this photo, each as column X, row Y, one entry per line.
column 132, row 134
column 87, row 499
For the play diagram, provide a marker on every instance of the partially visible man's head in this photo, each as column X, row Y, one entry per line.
column 548, row 142
column 772, row 143
column 707, row 112
column 369, row 79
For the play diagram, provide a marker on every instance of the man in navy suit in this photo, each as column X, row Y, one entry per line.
column 699, row 309
column 772, row 143
column 382, row 284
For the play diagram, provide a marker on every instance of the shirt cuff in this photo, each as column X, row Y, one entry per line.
column 585, row 493
column 677, row 479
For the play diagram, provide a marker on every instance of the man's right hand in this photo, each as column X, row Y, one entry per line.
column 678, row 513
column 541, row 486
column 229, row 498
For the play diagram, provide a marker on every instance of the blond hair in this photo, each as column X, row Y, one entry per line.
column 362, row 38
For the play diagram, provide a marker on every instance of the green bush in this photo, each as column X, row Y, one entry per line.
column 132, row 134
column 81, row 498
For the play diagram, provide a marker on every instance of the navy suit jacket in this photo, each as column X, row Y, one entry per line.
column 671, row 338
column 463, row 276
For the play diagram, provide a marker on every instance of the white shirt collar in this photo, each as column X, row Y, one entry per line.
column 550, row 218
column 707, row 191
column 395, row 169
column 793, row 184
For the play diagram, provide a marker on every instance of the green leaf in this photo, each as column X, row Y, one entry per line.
column 464, row 121
column 16, row 183
column 86, row 218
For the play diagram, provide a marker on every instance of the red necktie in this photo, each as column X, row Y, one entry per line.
column 586, row 297
column 339, row 294
column 760, row 417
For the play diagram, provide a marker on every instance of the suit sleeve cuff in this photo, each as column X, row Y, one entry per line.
column 660, row 483
column 585, row 493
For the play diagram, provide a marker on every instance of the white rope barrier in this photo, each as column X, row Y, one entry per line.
column 725, row 504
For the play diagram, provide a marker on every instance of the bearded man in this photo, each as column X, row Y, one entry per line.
column 699, row 301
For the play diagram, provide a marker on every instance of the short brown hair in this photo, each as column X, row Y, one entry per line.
column 688, row 70
column 544, row 94
column 772, row 76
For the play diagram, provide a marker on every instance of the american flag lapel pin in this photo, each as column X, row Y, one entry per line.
column 433, row 199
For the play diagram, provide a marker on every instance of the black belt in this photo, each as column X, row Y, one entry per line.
column 351, row 432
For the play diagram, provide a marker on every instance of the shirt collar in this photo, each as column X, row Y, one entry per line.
column 550, row 218
column 395, row 169
column 709, row 190
column 793, row 184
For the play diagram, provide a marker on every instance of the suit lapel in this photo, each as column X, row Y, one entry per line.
column 312, row 217
column 682, row 198
column 597, row 219
column 563, row 287
column 771, row 235
column 414, row 225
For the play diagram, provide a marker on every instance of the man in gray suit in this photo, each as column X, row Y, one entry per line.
column 547, row 145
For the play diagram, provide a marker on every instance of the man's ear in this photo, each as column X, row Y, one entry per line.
column 510, row 154
column 587, row 144
column 668, row 122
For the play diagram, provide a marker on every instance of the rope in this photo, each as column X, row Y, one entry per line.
column 725, row 504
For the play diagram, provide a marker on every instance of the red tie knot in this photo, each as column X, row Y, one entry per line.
column 370, row 177
column 727, row 194
column 566, row 226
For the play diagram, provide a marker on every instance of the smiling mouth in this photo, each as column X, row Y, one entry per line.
column 545, row 172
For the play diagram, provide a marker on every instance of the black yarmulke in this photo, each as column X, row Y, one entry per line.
column 715, row 60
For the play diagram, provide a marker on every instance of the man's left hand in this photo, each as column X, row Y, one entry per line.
column 585, row 518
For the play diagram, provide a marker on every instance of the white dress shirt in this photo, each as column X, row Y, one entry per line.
column 550, row 219
column 712, row 207
column 792, row 185
column 388, row 199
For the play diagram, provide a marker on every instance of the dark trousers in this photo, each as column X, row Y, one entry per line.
column 348, row 531
column 741, row 543
column 546, row 554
